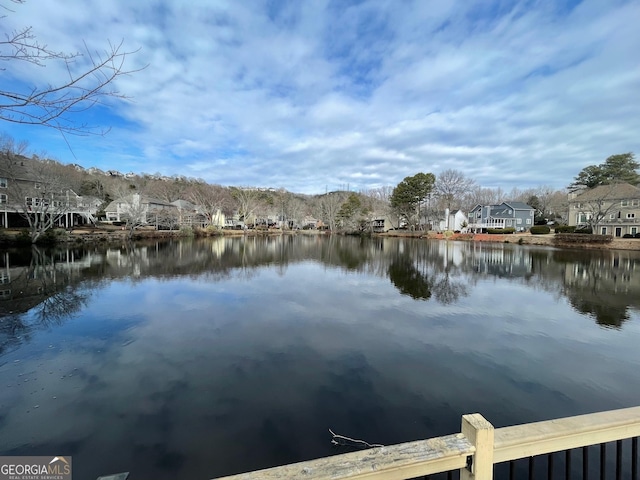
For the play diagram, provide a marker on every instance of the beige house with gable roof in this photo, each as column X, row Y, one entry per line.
column 609, row 209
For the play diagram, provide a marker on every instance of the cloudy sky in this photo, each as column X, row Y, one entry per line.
column 326, row 94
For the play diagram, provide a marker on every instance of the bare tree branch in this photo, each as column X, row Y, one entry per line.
column 54, row 105
column 450, row 187
column 342, row 440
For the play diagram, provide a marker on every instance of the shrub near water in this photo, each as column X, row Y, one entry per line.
column 540, row 230
column 497, row 231
column 564, row 229
column 582, row 238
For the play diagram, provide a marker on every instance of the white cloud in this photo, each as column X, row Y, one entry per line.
column 305, row 95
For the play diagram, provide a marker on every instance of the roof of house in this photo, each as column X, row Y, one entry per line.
column 519, row 205
column 17, row 167
column 113, row 206
column 614, row 191
column 497, row 210
column 505, row 206
column 184, row 204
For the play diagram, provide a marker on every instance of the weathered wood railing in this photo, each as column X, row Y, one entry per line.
column 473, row 452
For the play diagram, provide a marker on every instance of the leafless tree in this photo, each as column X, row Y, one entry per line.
column 36, row 190
column 329, row 204
column 212, row 201
column 544, row 193
column 295, row 209
column 598, row 204
column 167, row 218
column 134, row 209
column 451, row 185
column 247, row 201
column 483, row 196
column 281, row 201
column 558, row 206
column 168, row 190
column 382, row 193
column 9, row 145
column 90, row 78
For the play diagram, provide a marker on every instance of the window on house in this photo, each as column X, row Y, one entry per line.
column 528, row 221
column 519, row 221
column 578, row 205
column 612, row 215
column 38, row 186
column 631, row 215
column 583, row 217
column 603, row 231
column 36, row 202
column 3, row 198
column 3, row 183
column 624, row 203
column 635, row 203
column 634, row 231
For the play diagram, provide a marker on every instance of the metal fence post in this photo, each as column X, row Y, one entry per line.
column 479, row 432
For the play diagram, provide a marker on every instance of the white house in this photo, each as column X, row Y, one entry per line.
column 139, row 209
column 455, row 221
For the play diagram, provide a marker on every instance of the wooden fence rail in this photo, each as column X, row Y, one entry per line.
column 473, row 451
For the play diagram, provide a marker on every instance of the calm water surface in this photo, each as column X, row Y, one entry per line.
column 197, row 359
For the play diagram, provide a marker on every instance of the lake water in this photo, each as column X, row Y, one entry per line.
column 200, row 358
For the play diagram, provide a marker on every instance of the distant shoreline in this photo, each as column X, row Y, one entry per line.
column 110, row 234
column 520, row 239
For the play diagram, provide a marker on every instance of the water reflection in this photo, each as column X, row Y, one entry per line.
column 42, row 283
column 193, row 359
column 55, row 284
column 603, row 285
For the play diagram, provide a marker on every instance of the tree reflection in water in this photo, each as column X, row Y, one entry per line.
column 42, row 288
column 42, row 293
column 408, row 280
column 329, row 321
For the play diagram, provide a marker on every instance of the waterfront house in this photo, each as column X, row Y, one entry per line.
column 31, row 187
column 516, row 215
column 142, row 210
column 609, row 209
column 191, row 215
column 380, row 223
